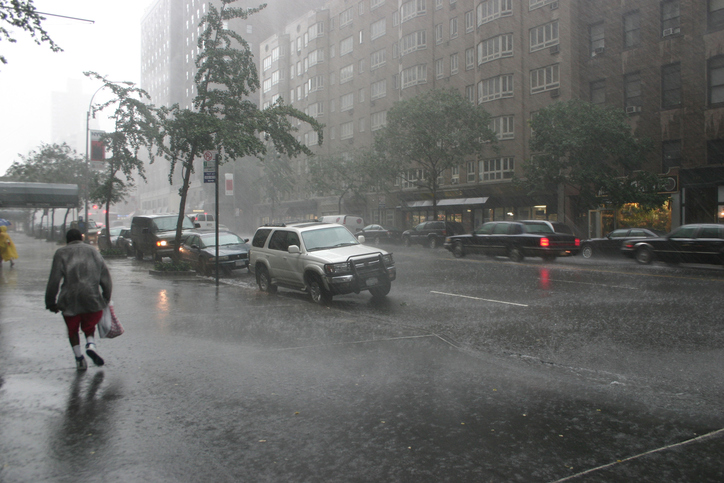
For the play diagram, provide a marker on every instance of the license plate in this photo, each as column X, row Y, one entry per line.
column 371, row 281
column 240, row 263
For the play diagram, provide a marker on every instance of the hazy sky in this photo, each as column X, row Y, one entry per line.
column 111, row 46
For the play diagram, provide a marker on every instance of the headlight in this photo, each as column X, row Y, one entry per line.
column 161, row 243
column 336, row 267
column 387, row 259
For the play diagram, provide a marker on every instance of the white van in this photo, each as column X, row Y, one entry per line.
column 205, row 221
column 353, row 223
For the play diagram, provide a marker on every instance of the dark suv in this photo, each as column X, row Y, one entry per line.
column 432, row 233
column 154, row 234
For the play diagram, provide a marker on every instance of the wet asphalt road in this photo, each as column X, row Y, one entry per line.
column 472, row 370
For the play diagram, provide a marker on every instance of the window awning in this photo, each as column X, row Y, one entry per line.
column 448, row 202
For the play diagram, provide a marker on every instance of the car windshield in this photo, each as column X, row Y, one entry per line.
column 116, row 231
column 224, row 239
column 331, row 237
column 169, row 223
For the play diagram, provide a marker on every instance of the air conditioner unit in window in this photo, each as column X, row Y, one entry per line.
column 633, row 109
column 455, row 181
column 671, row 31
column 555, row 93
column 597, row 51
column 555, row 49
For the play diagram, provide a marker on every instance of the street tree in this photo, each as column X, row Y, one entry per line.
column 22, row 15
column 136, row 130
column 341, row 174
column 592, row 149
column 54, row 163
column 278, row 178
column 434, row 131
column 223, row 119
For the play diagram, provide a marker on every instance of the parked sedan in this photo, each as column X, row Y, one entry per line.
column 376, row 234
column 610, row 245
column 124, row 242
column 700, row 243
column 199, row 249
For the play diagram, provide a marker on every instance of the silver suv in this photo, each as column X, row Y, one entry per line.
column 323, row 259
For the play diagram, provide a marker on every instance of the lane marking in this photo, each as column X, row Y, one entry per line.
column 478, row 298
column 657, row 450
column 596, row 284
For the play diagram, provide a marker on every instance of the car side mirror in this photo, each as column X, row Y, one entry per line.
column 361, row 238
column 246, row 240
column 294, row 249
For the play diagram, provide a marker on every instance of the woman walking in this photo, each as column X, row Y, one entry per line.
column 8, row 252
column 86, row 291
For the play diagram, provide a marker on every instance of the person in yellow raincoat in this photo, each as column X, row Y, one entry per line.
column 7, row 247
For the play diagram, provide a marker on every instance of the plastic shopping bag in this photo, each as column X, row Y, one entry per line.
column 109, row 325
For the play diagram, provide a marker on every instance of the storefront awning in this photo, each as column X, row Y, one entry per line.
column 448, row 202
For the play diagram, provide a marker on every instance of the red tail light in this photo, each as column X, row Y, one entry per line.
column 578, row 242
column 545, row 242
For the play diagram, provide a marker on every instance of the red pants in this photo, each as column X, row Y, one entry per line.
column 86, row 322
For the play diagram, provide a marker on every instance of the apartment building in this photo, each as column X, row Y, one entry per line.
column 348, row 62
column 170, row 31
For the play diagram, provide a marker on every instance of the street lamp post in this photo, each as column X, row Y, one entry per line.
column 87, row 156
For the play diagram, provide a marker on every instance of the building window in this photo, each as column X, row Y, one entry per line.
column 439, row 69
column 346, row 73
column 275, row 54
column 503, row 127
column 495, row 88
column 632, row 30
column 596, row 39
column 533, row 4
column 316, row 30
column 378, row 89
column 671, row 86
column 346, row 130
column 495, row 48
column 598, row 92
column 346, row 46
column 361, row 95
column 395, row 18
column 453, row 64
column 470, row 93
column 670, row 18
column 632, row 90
column 378, row 120
column 413, row 76
column 345, row 18
column 361, row 8
column 438, row 33
column 716, row 80
column 455, row 175
column 469, row 58
column 453, row 28
column 377, row 59
column 412, row 42
column 362, row 124
column 412, row 9
column 715, row 14
column 544, row 36
column 715, row 151
column 471, row 171
column 498, row 168
column 346, row 102
column 267, row 85
column 376, row 3
column 378, row 29
column 266, row 63
column 275, row 78
column 316, row 83
column 671, row 155
column 544, row 79
column 316, row 57
column 489, row 10
column 438, row 4
column 469, row 21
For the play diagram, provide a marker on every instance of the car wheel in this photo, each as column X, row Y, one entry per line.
column 457, row 250
column 139, row 255
column 381, row 291
column 515, row 254
column 587, row 251
column 433, row 243
column 376, row 240
column 319, row 294
column 406, row 241
column 644, row 255
column 264, row 281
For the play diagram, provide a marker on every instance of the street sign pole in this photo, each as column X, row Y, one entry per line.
column 217, row 218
